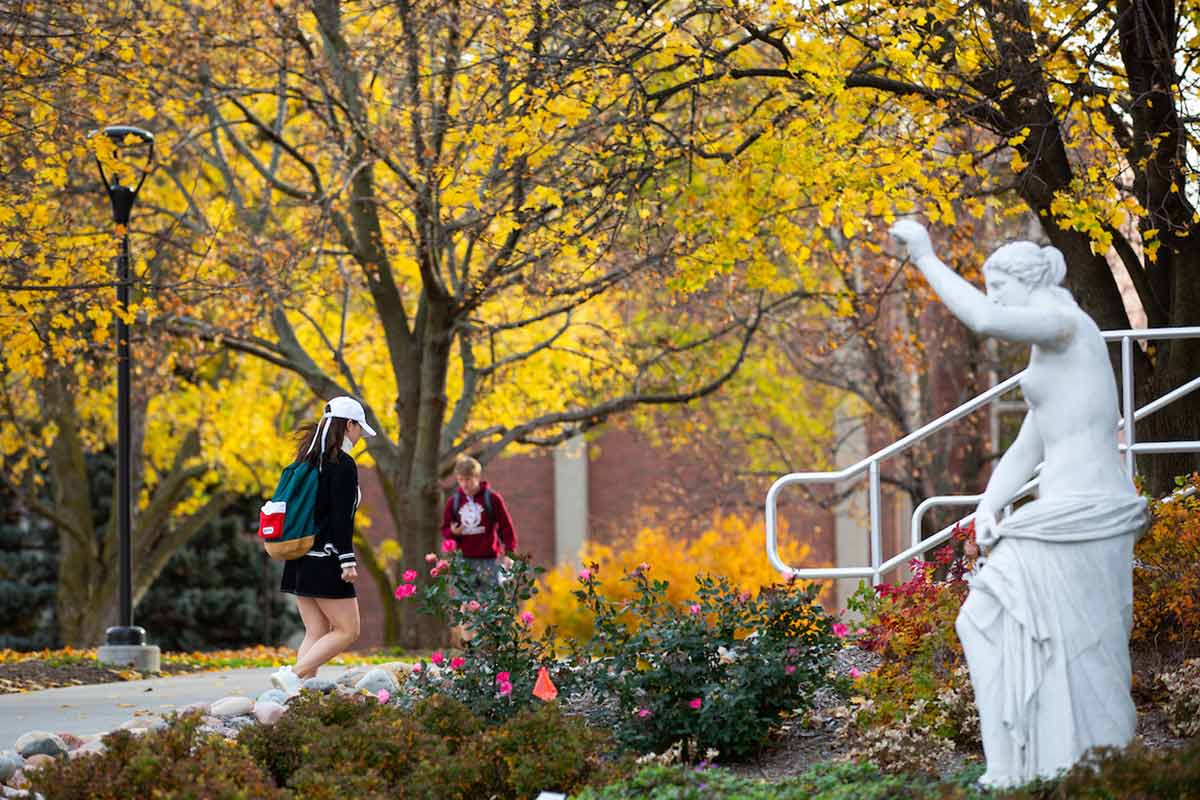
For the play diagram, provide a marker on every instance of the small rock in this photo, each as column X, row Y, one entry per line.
column 273, row 696
column 7, row 792
column 351, row 676
column 42, row 742
column 241, row 721
column 71, row 740
column 233, row 706
column 132, row 724
column 18, row 780
column 376, row 681
column 158, row 724
column 37, row 761
column 203, row 709
column 318, row 685
column 10, row 762
column 268, row 713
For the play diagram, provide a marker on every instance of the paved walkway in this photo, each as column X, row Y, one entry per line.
column 103, row 707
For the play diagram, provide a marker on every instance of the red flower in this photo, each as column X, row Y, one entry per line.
column 448, row 545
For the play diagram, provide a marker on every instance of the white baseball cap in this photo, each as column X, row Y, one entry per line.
column 349, row 408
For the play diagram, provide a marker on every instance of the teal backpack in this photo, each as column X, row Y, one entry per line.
column 287, row 524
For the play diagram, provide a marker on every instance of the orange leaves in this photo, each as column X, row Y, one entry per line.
column 1166, row 577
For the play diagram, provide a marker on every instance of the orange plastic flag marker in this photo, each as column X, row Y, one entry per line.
column 544, row 688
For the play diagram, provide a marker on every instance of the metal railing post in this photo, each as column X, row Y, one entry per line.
column 876, row 500
column 1127, row 402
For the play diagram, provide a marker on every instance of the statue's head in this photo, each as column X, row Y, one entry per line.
column 1016, row 270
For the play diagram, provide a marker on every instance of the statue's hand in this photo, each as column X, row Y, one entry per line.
column 985, row 529
column 914, row 236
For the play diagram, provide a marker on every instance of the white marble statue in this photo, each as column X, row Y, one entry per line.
column 1045, row 626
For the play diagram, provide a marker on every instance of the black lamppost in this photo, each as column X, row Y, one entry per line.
column 124, row 640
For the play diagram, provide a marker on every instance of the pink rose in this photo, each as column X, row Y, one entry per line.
column 696, row 703
column 585, row 575
column 405, row 590
column 433, row 573
column 437, row 657
column 792, row 652
column 643, row 712
column 430, row 558
column 457, row 662
column 789, row 669
column 442, row 565
column 744, row 597
column 861, row 631
column 410, row 575
column 473, row 606
column 505, row 689
column 693, row 609
column 383, row 695
column 417, row 667
column 527, row 617
column 502, row 677
column 840, row 630
column 448, row 545
column 643, row 567
column 854, row 673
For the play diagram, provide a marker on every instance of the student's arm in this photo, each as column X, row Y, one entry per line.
column 448, row 518
column 504, row 523
column 345, row 497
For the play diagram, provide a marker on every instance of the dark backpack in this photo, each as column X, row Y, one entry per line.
column 287, row 524
column 457, row 501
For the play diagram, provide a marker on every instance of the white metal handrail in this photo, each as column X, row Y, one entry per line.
column 871, row 463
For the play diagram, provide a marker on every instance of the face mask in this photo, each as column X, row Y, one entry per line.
column 347, row 445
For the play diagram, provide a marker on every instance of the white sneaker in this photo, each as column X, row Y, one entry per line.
column 286, row 680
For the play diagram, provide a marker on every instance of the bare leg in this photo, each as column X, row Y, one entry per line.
column 316, row 624
column 343, row 632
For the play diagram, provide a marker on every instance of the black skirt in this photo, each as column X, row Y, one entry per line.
column 315, row 576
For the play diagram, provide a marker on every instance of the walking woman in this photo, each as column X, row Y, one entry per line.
column 323, row 579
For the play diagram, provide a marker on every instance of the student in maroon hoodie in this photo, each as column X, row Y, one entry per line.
column 477, row 521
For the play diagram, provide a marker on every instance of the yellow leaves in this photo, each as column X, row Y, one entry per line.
column 1019, row 139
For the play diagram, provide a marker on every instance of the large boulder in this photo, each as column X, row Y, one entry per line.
column 268, row 713
column 378, row 680
column 10, row 762
column 233, row 706
column 322, row 685
column 273, row 696
column 41, row 742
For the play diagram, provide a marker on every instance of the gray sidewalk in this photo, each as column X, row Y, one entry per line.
column 103, row 707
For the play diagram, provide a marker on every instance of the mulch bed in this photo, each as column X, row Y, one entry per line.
column 32, row 675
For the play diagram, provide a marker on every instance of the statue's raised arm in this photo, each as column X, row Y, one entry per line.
column 1021, row 304
column 1044, row 626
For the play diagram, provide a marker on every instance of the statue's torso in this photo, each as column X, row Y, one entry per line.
column 1072, row 395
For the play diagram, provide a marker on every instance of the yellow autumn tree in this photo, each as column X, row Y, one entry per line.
column 730, row 546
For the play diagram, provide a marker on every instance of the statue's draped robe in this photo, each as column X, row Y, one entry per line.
column 1045, row 629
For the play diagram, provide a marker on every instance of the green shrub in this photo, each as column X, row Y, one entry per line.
column 175, row 764
column 501, row 642
column 1135, row 773
column 329, row 746
column 714, row 674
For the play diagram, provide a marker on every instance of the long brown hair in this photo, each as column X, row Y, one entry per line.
column 333, row 442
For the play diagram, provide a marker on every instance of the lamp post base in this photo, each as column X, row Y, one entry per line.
column 142, row 657
column 126, row 647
